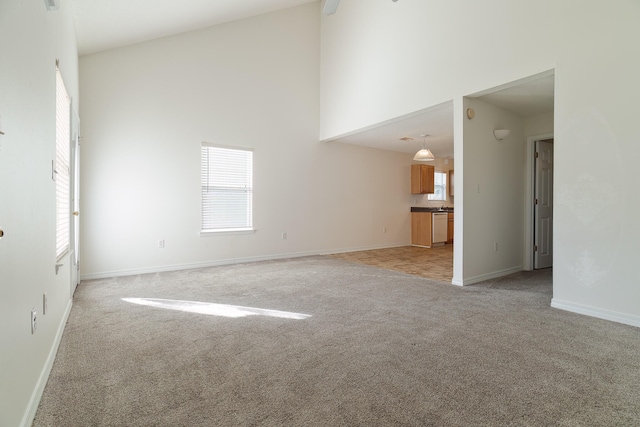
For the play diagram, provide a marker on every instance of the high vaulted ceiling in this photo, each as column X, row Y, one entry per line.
column 107, row 24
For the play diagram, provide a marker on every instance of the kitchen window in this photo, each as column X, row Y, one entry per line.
column 227, row 189
column 439, row 187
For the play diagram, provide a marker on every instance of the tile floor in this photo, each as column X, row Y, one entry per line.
column 432, row 263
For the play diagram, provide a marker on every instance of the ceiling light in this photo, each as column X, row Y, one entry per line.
column 424, row 155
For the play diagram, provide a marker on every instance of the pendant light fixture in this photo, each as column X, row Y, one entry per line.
column 424, row 155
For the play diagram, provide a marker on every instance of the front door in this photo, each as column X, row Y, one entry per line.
column 543, row 205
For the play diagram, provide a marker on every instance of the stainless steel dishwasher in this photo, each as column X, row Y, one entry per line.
column 439, row 228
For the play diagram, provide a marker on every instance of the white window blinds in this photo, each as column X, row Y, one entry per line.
column 61, row 167
column 227, row 188
column 439, row 187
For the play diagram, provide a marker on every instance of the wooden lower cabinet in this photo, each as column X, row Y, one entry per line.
column 421, row 228
column 450, row 228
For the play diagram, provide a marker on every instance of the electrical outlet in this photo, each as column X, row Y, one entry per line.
column 284, row 236
column 161, row 243
column 34, row 322
column 45, row 304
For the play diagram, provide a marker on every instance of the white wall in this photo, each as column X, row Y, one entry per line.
column 252, row 83
column 493, row 195
column 538, row 125
column 381, row 60
column 386, row 59
column 30, row 41
column 597, row 207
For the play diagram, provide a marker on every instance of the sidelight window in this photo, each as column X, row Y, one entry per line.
column 61, row 173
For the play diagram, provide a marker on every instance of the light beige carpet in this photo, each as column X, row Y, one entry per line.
column 381, row 348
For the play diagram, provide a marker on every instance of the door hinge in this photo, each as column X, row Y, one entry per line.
column 537, row 155
column 535, row 248
column 536, row 200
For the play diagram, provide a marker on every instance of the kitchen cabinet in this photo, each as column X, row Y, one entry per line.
column 422, row 179
column 450, row 228
column 451, row 182
column 421, row 229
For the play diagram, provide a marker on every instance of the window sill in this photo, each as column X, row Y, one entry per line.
column 227, row 232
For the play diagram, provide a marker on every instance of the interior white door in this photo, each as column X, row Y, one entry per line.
column 543, row 205
column 75, row 201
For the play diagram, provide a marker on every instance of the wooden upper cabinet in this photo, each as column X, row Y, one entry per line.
column 451, row 182
column 422, row 179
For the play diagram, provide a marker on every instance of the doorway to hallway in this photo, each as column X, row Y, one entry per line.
column 543, row 204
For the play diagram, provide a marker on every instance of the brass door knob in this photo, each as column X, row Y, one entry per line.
column 1, row 232
column 76, row 213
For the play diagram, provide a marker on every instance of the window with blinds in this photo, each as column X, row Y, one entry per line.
column 227, row 188
column 439, row 187
column 61, row 166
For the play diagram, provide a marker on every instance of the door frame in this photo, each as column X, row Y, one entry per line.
column 74, row 188
column 529, row 195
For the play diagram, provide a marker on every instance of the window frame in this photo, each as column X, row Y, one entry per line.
column 61, row 169
column 249, row 190
column 431, row 197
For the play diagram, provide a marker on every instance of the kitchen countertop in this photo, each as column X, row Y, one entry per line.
column 426, row 209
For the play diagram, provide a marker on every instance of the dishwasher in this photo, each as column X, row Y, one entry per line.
column 439, row 228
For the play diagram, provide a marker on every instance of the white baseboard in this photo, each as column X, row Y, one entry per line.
column 32, row 408
column 614, row 316
column 457, row 282
column 215, row 263
column 482, row 277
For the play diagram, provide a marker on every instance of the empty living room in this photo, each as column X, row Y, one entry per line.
column 202, row 204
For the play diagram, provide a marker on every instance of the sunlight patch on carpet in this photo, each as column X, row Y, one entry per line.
column 212, row 309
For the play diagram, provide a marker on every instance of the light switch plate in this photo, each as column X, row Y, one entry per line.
column 34, row 322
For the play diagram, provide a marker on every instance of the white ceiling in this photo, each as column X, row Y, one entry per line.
column 437, row 122
column 528, row 97
column 107, row 24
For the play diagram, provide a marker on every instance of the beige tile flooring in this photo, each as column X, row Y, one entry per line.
column 432, row 263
